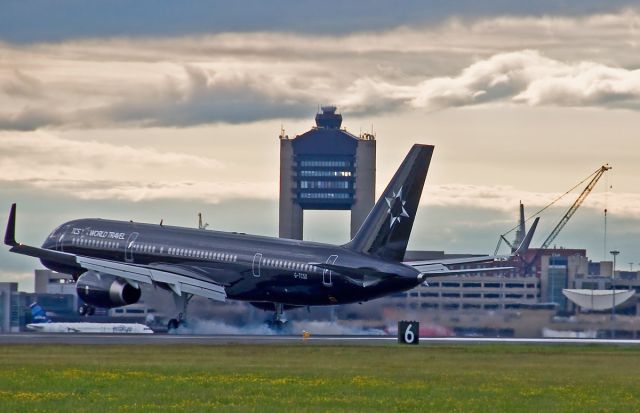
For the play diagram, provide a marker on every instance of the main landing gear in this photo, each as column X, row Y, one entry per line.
column 279, row 321
column 181, row 319
column 86, row 310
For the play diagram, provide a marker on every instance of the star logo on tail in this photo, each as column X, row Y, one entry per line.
column 396, row 207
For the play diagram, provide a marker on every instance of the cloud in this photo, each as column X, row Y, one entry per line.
column 142, row 190
column 32, row 21
column 205, row 97
column 590, row 61
column 92, row 170
column 523, row 77
column 505, row 198
column 41, row 155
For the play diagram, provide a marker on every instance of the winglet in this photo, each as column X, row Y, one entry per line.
column 10, row 234
column 524, row 246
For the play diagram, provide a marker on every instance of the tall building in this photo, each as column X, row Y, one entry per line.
column 326, row 168
column 558, row 271
column 9, row 308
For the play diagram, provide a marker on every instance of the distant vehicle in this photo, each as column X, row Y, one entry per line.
column 42, row 323
column 111, row 259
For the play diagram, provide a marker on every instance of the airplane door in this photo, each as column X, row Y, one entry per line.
column 128, row 247
column 257, row 259
column 326, row 274
column 59, row 242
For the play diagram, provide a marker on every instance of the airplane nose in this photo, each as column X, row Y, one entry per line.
column 49, row 244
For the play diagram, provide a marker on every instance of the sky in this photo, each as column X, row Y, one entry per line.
column 154, row 110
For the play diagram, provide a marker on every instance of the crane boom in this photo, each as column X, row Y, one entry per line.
column 583, row 195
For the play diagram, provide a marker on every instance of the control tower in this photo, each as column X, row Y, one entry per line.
column 326, row 168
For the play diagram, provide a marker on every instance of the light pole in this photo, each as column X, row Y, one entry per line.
column 613, row 293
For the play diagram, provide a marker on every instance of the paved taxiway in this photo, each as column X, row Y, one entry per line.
column 158, row 339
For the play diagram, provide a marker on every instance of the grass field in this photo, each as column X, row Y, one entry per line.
column 303, row 377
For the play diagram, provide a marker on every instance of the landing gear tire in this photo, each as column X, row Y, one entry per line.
column 173, row 325
column 181, row 319
column 279, row 322
column 86, row 310
column 278, row 325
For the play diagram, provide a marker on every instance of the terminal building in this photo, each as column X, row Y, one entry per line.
column 326, row 168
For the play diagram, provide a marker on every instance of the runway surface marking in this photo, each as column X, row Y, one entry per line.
column 69, row 338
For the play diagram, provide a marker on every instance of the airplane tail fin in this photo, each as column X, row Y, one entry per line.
column 38, row 315
column 386, row 230
column 524, row 245
column 10, row 233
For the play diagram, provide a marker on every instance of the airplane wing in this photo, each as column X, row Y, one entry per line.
column 132, row 273
column 437, row 268
column 135, row 274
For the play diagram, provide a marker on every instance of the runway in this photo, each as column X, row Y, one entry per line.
column 171, row 339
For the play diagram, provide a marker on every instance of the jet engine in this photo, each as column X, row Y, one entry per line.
column 105, row 290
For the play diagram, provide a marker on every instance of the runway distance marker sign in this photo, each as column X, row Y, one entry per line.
column 408, row 332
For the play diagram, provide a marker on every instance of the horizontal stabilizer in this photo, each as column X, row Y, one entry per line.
column 442, row 271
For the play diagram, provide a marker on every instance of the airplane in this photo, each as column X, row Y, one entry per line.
column 43, row 324
column 111, row 259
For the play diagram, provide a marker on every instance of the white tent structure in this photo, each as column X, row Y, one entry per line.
column 597, row 299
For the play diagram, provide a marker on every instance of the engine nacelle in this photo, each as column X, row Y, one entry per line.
column 106, row 291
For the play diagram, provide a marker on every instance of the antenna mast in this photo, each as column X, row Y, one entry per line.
column 200, row 224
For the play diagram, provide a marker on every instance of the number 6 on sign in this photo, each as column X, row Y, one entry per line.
column 408, row 332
